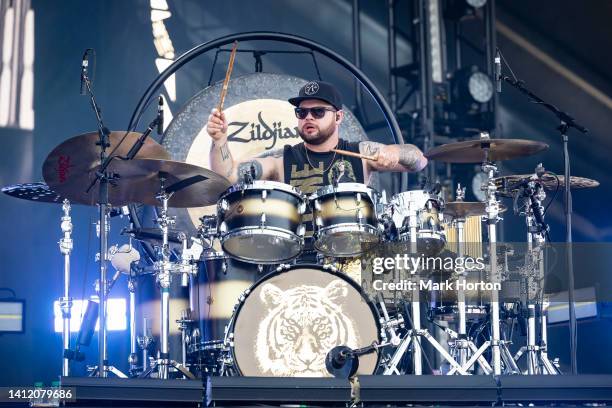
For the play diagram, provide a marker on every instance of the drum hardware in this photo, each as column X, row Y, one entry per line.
column 165, row 268
column 414, row 336
column 133, row 358
column 184, row 324
column 144, row 342
column 65, row 302
column 461, row 345
column 343, row 362
column 533, row 193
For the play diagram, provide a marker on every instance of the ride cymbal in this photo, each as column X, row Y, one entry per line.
column 481, row 150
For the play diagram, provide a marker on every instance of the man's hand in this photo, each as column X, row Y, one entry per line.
column 217, row 125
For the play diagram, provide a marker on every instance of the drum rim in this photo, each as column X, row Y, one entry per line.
column 344, row 227
column 278, row 232
column 264, row 185
column 229, row 337
column 399, row 199
column 344, row 188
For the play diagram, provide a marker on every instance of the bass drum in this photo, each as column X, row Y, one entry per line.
column 214, row 293
column 289, row 320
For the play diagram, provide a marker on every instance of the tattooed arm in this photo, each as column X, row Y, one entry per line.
column 394, row 157
column 222, row 162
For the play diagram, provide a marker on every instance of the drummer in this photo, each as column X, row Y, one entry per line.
column 311, row 164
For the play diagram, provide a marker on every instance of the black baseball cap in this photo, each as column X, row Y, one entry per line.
column 319, row 90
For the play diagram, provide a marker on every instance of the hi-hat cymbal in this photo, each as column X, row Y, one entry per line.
column 475, row 151
column 71, row 166
column 462, row 209
column 508, row 184
column 139, row 182
column 37, row 192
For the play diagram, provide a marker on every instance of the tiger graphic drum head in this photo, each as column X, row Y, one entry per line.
column 290, row 320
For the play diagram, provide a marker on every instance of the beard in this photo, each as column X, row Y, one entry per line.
column 319, row 137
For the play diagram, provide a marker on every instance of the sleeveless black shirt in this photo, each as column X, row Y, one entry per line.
column 308, row 171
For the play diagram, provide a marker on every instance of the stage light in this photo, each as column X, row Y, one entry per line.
column 116, row 315
column 463, row 9
column 480, row 87
column 435, row 40
column 476, row 3
column 12, row 312
column 471, row 87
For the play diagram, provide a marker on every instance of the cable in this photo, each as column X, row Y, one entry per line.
column 507, row 65
column 555, row 193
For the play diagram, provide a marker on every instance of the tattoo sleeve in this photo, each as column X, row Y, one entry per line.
column 252, row 167
column 369, row 148
column 409, row 156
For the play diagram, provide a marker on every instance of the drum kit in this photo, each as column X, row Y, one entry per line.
column 289, row 315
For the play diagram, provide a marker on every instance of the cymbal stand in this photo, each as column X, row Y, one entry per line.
column 133, row 358
column 461, row 345
column 499, row 349
column 536, row 354
column 65, row 302
column 144, row 342
column 165, row 268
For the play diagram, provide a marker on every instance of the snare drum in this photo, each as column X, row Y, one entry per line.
column 261, row 222
column 422, row 210
column 288, row 321
column 344, row 218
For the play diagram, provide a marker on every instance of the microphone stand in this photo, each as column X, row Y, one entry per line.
column 104, row 179
column 566, row 122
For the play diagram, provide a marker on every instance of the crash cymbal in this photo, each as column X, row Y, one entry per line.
column 37, row 192
column 139, row 182
column 508, row 184
column 473, row 151
column 70, row 167
column 462, row 209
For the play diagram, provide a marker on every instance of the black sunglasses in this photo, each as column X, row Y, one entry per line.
column 317, row 112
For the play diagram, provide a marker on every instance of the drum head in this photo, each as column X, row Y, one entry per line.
column 262, row 246
column 346, row 241
column 290, row 320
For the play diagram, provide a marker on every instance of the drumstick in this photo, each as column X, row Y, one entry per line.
column 228, row 74
column 361, row 156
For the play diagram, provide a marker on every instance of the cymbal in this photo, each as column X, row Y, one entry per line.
column 507, row 184
column 139, row 182
column 71, row 166
column 37, row 192
column 462, row 209
column 472, row 151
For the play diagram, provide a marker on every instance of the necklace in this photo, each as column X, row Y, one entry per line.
column 324, row 169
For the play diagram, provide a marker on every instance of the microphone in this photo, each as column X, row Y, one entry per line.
column 160, row 116
column 84, row 65
column 498, row 74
